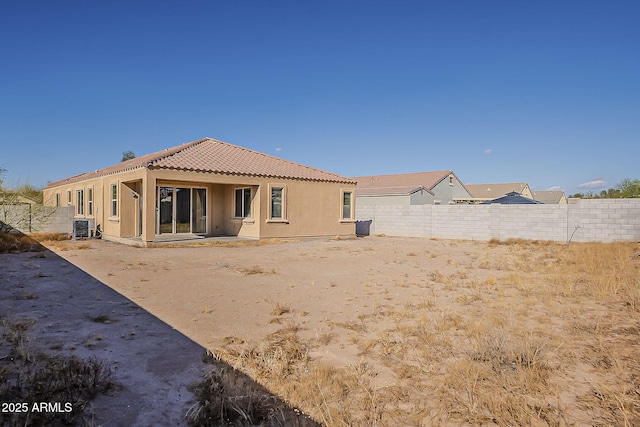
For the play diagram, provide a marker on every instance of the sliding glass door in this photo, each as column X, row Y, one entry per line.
column 199, row 210
column 181, row 210
column 165, row 210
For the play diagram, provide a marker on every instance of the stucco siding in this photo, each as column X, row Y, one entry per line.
column 445, row 193
column 421, row 197
column 312, row 208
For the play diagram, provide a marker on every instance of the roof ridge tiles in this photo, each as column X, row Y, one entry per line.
column 216, row 157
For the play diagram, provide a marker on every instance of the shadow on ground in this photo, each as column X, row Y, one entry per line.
column 156, row 376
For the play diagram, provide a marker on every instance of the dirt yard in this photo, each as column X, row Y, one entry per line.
column 402, row 331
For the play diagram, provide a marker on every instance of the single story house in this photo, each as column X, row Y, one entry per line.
column 550, row 197
column 512, row 198
column 209, row 188
column 484, row 192
column 438, row 187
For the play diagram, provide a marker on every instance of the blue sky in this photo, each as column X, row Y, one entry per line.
column 545, row 92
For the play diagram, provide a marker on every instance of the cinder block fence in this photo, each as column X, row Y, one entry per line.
column 602, row 220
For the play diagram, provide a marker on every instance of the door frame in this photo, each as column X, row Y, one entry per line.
column 174, row 207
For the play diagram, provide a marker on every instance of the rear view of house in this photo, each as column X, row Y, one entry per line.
column 209, row 187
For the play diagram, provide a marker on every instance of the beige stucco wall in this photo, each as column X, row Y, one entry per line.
column 111, row 225
column 311, row 208
column 526, row 192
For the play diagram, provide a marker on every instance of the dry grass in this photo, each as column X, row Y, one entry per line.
column 256, row 269
column 49, row 237
column 225, row 243
column 14, row 242
column 537, row 333
column 280, row 309
column 27, row 375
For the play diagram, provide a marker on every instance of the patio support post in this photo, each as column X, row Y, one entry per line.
column 148, row 207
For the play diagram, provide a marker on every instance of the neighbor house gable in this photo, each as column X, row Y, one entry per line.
column 444, row 186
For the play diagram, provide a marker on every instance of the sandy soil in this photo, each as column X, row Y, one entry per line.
column 73, row 313
column 210, row 294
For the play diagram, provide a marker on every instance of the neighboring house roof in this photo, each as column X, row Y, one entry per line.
column 404, row 181
column 491, row 191
column 213, row 156
column 549, row 197
column 513, row 198
column 391, row 191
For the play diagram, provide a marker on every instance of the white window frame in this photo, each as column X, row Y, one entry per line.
column 114, row 200
column 80, row 202
column 90, row 201
column 351, row 217
column 69, row 197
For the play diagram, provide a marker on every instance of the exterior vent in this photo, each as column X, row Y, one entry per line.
column 82, row 228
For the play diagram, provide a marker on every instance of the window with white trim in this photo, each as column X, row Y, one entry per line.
column 90, row 201
column 69, row 197
column 347, row 205
column 114, row 200
column 277, row 203
column 242, row 203
column 80, row 202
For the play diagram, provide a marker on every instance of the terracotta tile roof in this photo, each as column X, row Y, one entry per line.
column 428, row 180
column 213, row 156
column 492, row 191
column 383, row 191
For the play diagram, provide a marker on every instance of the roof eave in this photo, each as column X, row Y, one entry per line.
column 258, row 175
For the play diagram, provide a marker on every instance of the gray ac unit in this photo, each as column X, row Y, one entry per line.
column 82, row 228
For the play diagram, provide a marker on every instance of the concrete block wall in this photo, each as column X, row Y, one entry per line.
column 61, row 221
column 57, row 220
column 531, row 222
column 603, row 220
column 449, row 222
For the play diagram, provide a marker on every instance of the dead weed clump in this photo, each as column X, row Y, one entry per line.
column 32, row 377
column 256, row 269
column 229, row 397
